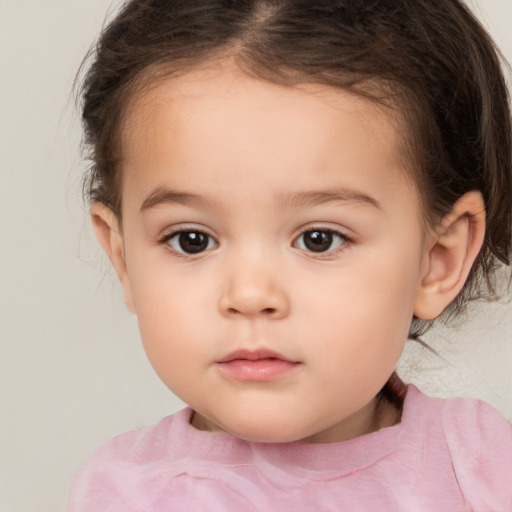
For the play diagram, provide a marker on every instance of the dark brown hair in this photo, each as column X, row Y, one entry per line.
column 429, row 59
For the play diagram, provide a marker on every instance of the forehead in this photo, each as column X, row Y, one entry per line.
column 211, row 120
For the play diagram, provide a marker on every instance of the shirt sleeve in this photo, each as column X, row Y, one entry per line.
column 480, row 443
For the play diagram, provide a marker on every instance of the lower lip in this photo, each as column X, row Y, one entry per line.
column 260, row 370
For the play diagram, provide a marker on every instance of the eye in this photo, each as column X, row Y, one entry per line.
column 190, row 242
column 319, row 240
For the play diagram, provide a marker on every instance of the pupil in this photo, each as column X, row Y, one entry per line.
column 193, row 242
column 318, row 241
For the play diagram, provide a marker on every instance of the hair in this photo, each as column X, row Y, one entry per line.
column 430, row 60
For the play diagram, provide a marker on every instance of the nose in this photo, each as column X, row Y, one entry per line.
column 254, row 290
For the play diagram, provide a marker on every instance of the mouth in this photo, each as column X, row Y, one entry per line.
column 257, row 366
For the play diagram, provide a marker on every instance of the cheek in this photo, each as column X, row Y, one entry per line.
column 171, row 345
column 176, row 315
column 160, row 304
column 368, row 308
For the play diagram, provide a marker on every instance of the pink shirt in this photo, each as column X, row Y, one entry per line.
column 445, row 456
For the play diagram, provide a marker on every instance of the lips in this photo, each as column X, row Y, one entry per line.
column 253, row 355
column 259, row 365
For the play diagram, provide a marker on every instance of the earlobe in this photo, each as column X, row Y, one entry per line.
column 109, row 234
column 452, row 250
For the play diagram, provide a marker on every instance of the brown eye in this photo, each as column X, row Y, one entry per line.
column 191, row 242
column 319, row 240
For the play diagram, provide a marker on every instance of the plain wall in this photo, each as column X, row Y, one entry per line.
column 72, row 369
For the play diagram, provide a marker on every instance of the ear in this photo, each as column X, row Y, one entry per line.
column 450, row 254
column 109, row 234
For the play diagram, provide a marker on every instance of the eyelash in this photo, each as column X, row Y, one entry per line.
column 211, row 243
column 176, row 234
column 332, row 233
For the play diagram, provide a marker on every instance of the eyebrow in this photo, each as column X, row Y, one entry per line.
column 302, row 199
column 162, row 196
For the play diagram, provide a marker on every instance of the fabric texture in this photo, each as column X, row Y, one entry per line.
column 444, row 456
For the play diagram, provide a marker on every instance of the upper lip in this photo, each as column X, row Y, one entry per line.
column 253, row 355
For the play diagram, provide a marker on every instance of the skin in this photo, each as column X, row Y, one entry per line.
column 254, row 166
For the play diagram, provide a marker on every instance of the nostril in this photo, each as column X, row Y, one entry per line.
column 253, row 302
column 265, row 311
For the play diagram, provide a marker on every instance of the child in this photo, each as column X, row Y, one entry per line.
column 288, row 190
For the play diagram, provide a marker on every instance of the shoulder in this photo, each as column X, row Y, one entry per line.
column 479, row 443
column 114, row 471
column 473, row 427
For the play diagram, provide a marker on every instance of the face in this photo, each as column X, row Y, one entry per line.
column 272, row 250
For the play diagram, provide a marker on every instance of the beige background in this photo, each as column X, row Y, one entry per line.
column 72, row 371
